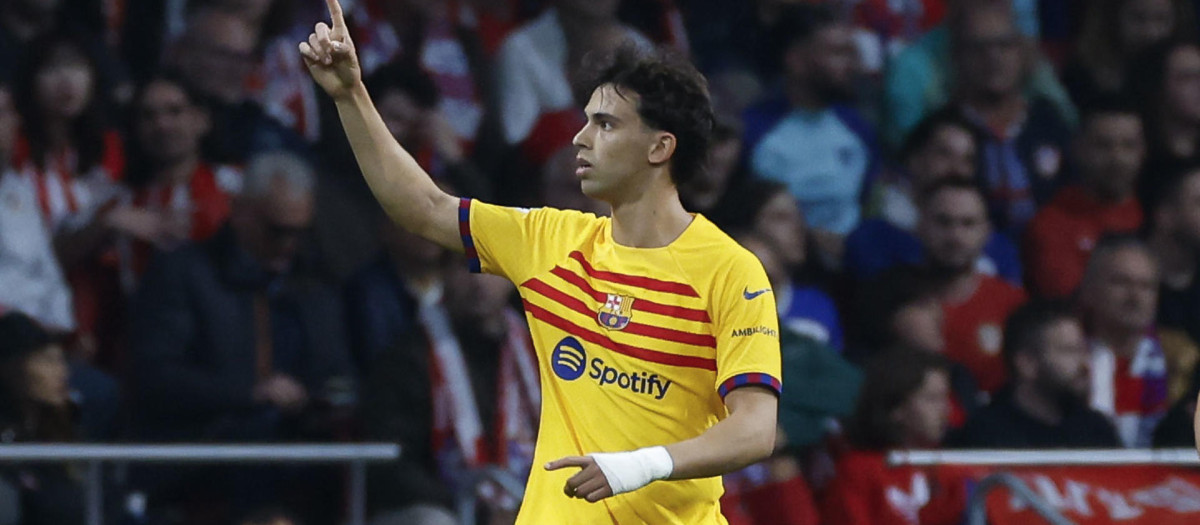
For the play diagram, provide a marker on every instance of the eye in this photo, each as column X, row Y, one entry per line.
column 606, row 126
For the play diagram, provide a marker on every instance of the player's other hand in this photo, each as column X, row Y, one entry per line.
column 330, row 56
column 587, row 484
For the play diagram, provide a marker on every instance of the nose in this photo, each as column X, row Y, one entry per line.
column 582, row 139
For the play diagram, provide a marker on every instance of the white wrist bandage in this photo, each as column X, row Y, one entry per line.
column 628, row 471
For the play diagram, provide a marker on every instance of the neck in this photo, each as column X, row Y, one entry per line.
column 1106, row 197
column 960, row 286
column 58, row 135
column 178, row 172
column 652, row 220
column 1180, row 135
column 996, row 108
column 1036, row 406
column 1121, row 341
column 417, row 277
column 1178, row 263
column 802, row 97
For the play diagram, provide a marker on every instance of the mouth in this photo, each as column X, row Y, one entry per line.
column 582, row 166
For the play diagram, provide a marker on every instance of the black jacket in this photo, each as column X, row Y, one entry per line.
column 193, row 338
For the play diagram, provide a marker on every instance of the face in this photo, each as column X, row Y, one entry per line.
column 1062, row 369
column 616, row 149
column 46, row 373
column 1142, row 23
column 410, row 249
column 64, row 84
column 9, row 122
column 169, row 126
column 475, row 297
column 924, row 416
column 1182, row 95
column 780, row 223
column 777, row 273
column 919, row 325
column 217, row 54
column 954, row 227
column 1181, row 212
column 274, row 227
column 1124, row 291
column 829, row 61
column 991, row 55
column 949, row 153
column 1109, row 153
column 402, row 115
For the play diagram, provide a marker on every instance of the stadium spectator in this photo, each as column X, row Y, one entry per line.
column 1023, row 139
column 408, row 101
column 767, row 210
column 707, row 192
column 34, row 281
column 1114, row 33
column 535, row 67
column 941, row 146
column 232, row 337
column 1166, row 80
column 215, row 55
column 953, row 228
column 901, row 310
column 382, row 299
column 1045, row 403
column 460, row 392
column 1174, row 237
column 168, row 172
column 808, row 136
column 35, row 406
column 922, row 77
column 905, row 403
column 1108, row 154
column 1128, row 368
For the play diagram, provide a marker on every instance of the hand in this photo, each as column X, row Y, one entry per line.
column 588, row 484
column 281, row 391
column 330, row 56
column 150, row 226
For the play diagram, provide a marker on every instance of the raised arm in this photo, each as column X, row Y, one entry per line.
column 404, row 190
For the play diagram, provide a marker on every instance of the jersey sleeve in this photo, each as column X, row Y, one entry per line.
column 747, row 326
column 517, row 243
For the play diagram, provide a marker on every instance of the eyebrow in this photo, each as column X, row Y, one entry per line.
column 605, row 116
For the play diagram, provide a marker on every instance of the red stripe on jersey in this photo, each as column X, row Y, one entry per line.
column 657, row 332
column 648, row 283
column 642, row 305
column 644, row 354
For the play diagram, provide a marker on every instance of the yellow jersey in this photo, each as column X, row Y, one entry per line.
column 636, row 347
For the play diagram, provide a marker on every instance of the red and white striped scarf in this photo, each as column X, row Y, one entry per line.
column 458, row 430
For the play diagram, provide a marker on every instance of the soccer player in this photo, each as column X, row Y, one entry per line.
column 656, row 334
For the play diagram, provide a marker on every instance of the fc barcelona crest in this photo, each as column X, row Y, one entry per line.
column 615, row 313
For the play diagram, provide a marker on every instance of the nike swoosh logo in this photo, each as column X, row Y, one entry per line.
column 750, row 295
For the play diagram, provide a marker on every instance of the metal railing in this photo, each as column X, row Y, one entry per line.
column 976, row 505
column 356, row 455
column 1035, row 458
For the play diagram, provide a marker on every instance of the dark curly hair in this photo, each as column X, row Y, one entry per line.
column 672, row 96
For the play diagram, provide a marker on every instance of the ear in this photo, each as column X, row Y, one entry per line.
column 662, row 149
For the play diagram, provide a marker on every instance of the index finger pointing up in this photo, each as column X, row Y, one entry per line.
column 335, row 14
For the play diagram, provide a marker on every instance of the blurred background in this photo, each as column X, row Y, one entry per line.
column 981, row 220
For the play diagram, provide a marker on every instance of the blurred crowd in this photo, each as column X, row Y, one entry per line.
column 980, row 218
